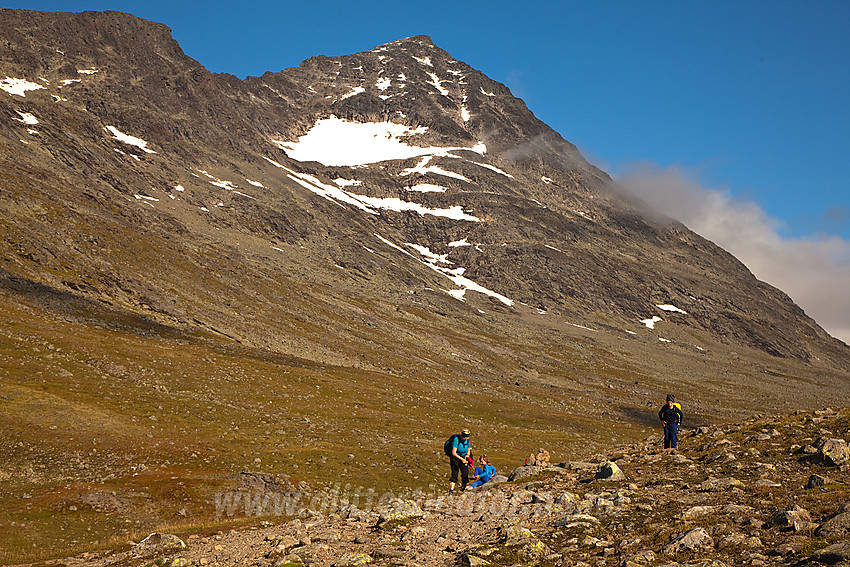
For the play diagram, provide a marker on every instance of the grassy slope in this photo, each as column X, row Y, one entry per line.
column 116, row 426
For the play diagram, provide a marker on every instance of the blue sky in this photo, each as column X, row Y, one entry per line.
column 747, row 101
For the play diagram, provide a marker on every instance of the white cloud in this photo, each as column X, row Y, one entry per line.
column 813, row 270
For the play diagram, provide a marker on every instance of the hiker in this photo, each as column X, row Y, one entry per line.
column 484, row 472
column 457, row 448
column 671, row 417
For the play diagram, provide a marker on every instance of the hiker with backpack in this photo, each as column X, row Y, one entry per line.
column 671, row 417
column 457, row 449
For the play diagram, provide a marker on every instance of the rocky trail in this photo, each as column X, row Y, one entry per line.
column 770, row 491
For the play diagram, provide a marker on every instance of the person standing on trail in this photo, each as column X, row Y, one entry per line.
column 671, row 417
column 459, row 447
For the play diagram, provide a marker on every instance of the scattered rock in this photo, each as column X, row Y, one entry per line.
column 353, row 559
column 766, row 483
column 794, row 517
column 696, row 539
column 401, row 510
column 157, row 543
column 609, row 471
column 833, row 554
column 522, row 472
column 837, row 526
column 473, row 561
column 514, row 534
column 817, row 480
column 697, row 511
column 720, row 484
column 834, row 452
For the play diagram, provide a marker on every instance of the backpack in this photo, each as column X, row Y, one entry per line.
column 447, row 446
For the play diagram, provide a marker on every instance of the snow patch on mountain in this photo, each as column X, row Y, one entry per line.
column 370, row 204
column 26, row 118
column 456, row 276
column 129, row 140
column 650, row 323
column 18, row 87
column 422, row 168
column 354, row 91
column 437, row 84
column 337, row 142
column 671, row 308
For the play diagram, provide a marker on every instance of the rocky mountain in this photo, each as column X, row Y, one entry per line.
column 203, row 275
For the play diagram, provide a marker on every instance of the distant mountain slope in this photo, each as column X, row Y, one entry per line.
column 134, row 138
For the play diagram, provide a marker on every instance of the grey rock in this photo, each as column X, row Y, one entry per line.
column 720, row 484
column 696, row 539
column 514, row 534
column 834, row 452
column 525, row 471
column 157, row 543
column 816, row 480
column 353, row 559
column 697, row 511
column 794, row 517
column 837, row 526
column 473, row 561
column 609, row 471
column 643, row 557
column 401, row 510
column 833, row 554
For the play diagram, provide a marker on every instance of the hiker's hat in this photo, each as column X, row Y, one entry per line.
column 671, row 398
column 464, row 433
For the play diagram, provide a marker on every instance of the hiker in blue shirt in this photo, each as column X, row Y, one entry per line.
column 457, row 459
column 484, row 472
column 671, row 417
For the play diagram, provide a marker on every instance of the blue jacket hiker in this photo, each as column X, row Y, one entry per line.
column 484, row 472
column 457, row 449
column 671, row 417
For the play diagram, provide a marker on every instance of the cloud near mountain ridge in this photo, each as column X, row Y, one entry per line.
column 813, row 270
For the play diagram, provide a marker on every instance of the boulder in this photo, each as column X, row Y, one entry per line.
column 837, row 526
column 696, row 539
column 353, row 559
column 514, row 534
column 697, row 511
column 794, row 517
column 833, row 554
column 158, row 543
column 539, row 459
column 816, row 480
column 522, row 472
column 609, row 471
column 401, row 510
column 720, row 484
column 473, row 561
column 834, row 452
